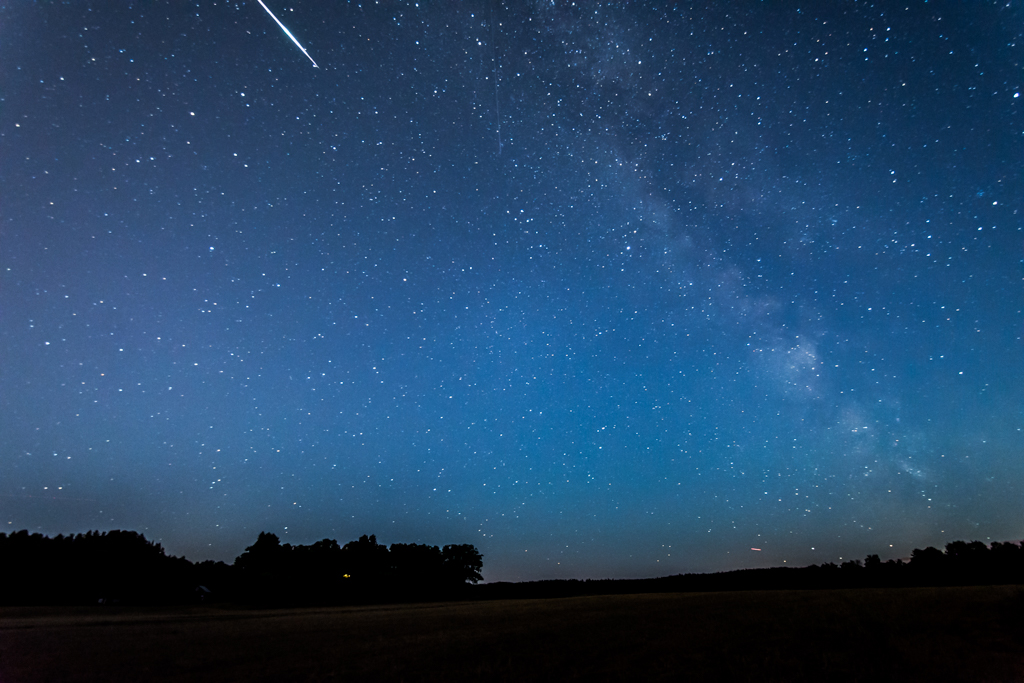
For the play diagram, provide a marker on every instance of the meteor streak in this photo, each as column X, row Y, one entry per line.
column 287, row 32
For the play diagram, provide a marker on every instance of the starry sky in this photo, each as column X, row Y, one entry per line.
column 604, row 289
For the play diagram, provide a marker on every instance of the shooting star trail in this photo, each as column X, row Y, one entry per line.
column 287, row 32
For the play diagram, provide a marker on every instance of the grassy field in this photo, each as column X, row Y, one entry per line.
column 925, row 634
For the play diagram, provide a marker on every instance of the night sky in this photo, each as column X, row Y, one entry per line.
column 604, row 289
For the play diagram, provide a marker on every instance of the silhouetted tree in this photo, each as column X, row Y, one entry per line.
column 114, row 566
column 967, row 562
column 927, row 565
column 462, row 563
column 1007, row 561
column 318, row 572
column 262, row 570
column 415, row 566
column 365, row 560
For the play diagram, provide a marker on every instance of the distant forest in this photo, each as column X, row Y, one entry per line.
column 962, row 564
column 123, row 567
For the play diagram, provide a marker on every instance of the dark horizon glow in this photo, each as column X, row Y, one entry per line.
column 603, row 289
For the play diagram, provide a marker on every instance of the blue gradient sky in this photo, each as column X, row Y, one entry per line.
column 604, row 289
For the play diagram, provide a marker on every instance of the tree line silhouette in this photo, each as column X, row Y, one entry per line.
column 125, row 567
column 961, row 564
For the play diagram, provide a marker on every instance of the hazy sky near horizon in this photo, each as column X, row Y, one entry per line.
column 604, row 289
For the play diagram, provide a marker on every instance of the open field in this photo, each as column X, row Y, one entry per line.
column 933, row 634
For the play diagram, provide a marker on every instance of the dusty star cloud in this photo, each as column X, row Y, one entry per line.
column 604, row 289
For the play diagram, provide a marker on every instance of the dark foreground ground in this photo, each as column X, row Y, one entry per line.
column 917, row 634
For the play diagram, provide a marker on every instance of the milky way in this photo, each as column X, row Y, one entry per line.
column 619, row 289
